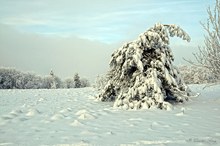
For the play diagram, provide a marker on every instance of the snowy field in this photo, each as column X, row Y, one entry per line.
column 72, row 117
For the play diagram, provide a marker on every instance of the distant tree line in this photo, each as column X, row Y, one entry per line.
column 13, row 79
column 76, row 82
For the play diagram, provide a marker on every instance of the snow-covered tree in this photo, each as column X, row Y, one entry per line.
column 209, row 55
column 37, row 82
column 28, row 81
column 142, row 74
column 11, row 78
column 55, row 81
column 101, row 81
column 69, row 83
column 52, row 81
column 47, row 82
column 77, row 80
column 7, row 78
column 196, row 74
column 84, row 82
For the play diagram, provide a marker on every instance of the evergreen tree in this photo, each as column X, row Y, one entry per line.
column 51, row 72
column 54, row 81
column 142, row 74
column 77, row 81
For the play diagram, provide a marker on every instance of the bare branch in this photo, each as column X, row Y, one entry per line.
column 209, row 55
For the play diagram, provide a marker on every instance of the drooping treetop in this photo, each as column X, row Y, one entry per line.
column 142, row 74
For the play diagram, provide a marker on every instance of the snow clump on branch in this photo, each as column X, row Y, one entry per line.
column 142, row 75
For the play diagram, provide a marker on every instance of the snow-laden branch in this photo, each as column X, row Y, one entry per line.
column 142, row 74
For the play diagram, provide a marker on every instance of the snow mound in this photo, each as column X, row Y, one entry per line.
column 84, row 115
column 32, row 112
column 76, row 123
column 7, row 117
column 56, row 117
column 80, row 112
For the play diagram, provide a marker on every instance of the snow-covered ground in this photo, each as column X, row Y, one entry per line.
column 69, row 117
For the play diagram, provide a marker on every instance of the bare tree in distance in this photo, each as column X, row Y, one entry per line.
column 209, row 54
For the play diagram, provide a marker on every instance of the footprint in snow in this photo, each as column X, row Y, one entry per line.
column 13, row 114
column 86, row 132
column 23, row 119
column 109, row 133
column 180, row 132
column 7, row 117
column 16, row 112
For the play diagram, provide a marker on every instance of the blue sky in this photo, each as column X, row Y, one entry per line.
column 107, row 23
column 102, row 20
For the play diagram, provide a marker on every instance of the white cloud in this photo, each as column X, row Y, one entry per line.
column 97, row 19
column 23, row 21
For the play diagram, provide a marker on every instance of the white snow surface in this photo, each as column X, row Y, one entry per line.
column 72, row 117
